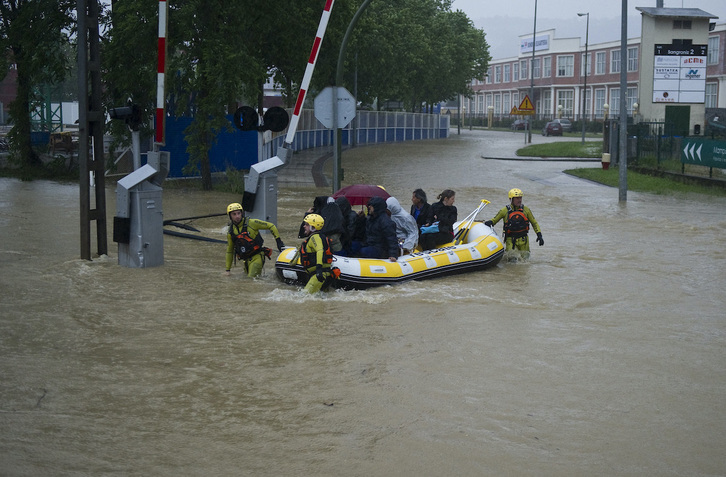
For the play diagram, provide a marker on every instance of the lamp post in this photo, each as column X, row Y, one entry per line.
column 531, row 74
column 490, row 116
column 559, row 111
column 584, row 89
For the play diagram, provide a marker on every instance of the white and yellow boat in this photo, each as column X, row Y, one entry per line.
column 476, row 247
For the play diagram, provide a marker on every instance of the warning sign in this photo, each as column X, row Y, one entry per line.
column 514, row 110
column 526, row 107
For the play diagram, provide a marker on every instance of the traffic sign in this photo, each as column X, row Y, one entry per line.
column 514, row 110
column 324, row 107
column 704, row 152
column 526, row 107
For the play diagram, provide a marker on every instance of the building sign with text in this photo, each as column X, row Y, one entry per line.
column 679, row 74
column 541, row 42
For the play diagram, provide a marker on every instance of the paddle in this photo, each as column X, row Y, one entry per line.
column 467, row 222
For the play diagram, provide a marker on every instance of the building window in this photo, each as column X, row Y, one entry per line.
column 506, row 105
column 523, row 69
column 507, row 73
column 566, row 65
column 498, row 104
column 587, row 60
column 515, row 71
column 536, row 68
column 515, row 99
column 711, row 95
column 588, row 100
column 600, row 62
column 599, row 103
column 615, row 103
column 565, row 98
column 632, row 98
column 633, row 59
column 713, row 50
column 546, row 103
column 498, row 74
column 480, row 103
column 490, row 74
column 546, row 66
column 489, row 101
column 615, row 61
column 681, row 24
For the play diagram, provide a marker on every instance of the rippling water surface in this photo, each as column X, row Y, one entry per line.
column 603, row 355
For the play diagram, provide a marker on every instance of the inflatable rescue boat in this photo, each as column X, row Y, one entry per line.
column 475, row 247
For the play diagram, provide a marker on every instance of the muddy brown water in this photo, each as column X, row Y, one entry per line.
column 603, row 355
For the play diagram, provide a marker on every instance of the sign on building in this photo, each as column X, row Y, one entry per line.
column 679, row 74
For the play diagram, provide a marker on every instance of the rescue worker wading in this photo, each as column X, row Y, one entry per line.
column 517, row 219
column 244, row 241
column 316, row 254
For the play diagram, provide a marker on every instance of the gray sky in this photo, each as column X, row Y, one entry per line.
column 504, row 20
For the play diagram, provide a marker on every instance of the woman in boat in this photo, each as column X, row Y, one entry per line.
column 517, row 219
column 244, row 241
column 406, row 227
column 444, row 215
column 354, row 228
column 316, row 254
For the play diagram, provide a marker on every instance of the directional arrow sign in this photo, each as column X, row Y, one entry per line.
column 324, row 107
column 704, row 152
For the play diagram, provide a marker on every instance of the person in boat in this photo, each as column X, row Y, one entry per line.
column 381, row 240
column 406, row 227
column 444, row 215
column 326, row 207
column 420, row 208
column 354, row 228
column 517, row 220
column 316, row 254
column 244, row 241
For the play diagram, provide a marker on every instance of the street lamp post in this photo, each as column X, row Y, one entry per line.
column 584, row 89
column 531, row 73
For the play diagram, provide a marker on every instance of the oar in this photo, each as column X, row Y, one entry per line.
column 470, row 219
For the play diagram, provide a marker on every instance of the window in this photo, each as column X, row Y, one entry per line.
column 515, row 99
column 506, row 105
column 681, row 24
column 498, row 104
column 546, row 66
column 546, row 102
column 588, row 100
column 600, row 62
column 713, row 50
column 489, row 101
column 711, row 95
column 615, row 61
column 480, row 103
column 587, row 60
column 523, row 69
column 498, row 74
column 507, row 73
column 536, row 67
column 633, row 59
column 566, row 65
column 632, row 98
column 599, row 103
column 515, row 71
column 614, row 103
column 565, row 99
column 490, row 74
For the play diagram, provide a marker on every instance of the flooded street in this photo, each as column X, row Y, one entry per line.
column 605, row 354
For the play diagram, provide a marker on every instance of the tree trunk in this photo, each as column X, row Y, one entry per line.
column 20, row 112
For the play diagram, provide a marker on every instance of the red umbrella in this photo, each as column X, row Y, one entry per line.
column 359, row 194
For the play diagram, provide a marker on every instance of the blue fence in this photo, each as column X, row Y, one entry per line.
column 239, row 149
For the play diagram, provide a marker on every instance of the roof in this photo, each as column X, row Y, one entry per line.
column 675, row 12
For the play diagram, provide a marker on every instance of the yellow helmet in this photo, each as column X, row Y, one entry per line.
column 234, row 206
column 515, row 193
column 315, row 221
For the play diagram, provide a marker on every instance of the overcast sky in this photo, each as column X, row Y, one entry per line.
column 504, row 20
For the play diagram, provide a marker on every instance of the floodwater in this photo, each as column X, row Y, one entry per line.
column 605, row 354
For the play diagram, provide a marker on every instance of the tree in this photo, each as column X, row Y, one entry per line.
column 32, row 36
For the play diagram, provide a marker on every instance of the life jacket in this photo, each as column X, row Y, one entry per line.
column 517, row 223
column 244, row 245
column 310, row 259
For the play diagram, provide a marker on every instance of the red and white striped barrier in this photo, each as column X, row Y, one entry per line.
column 292, row 128
column 160, row 75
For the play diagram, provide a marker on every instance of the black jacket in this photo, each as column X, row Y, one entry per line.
column 330, row 212
column 380, row 230
column 446, row 215
column 424, row 217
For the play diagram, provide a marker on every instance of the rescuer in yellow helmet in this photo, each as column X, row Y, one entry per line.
column 517, row 220
column 316, row 254
column 245, row 243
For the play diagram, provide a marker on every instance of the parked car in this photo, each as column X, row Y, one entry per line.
column 552, row 128
column 566, row 124
column 519, row 124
